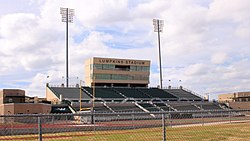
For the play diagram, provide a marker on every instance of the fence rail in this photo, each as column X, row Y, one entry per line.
column 118, row 126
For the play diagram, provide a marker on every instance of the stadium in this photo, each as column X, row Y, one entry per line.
column 115, row 103
column 121, row 85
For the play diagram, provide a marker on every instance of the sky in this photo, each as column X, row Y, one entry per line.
column 204, row 44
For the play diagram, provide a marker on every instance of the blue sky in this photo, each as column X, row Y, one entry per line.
column 205, row 44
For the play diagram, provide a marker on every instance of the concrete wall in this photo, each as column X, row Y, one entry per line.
column 237, row 96
column 239, row 105
column 50, row 96
column 1, row 109
column 226, row 97
column 12, row 95
column 243, row 94
column 13, row 92
column 1, row 96
column 25, row 108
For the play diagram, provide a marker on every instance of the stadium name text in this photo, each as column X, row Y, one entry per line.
column 127, row 62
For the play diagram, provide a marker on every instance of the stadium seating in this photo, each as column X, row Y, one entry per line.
column 117, row 99
column 209, row 106
column 69, row 93
column 98, row 107
column 163, row 106
column 132, row 92
column 104, row 93
column 124, row 107
column 183, row 106
column 148, row 107
column 157, row 93
column 182, row 94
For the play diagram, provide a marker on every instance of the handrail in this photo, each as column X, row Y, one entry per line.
column 194, row 93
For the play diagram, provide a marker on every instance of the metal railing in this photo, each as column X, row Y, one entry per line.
column 123, row 125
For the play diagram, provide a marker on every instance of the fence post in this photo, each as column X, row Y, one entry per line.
column 93, row 120
column 11, row 130
column 133, row 119
column 39, row 129
column 53, row 118
column 170, row 119
column 221, row 115
column 202, row 116
column 92, row 117
column 230, row 115
column 163, row 127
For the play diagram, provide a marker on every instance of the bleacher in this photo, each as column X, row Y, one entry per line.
column 157, row 93
column 132, row 93
column 183, row 95
column 69, row 93
column 209, row 106
column 130, row 100
column 104, row 93
column 148, row 107
column 124, row 107
column 98, row 107
column 183, row 106
column 163, row 106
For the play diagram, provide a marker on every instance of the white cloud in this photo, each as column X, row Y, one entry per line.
column 196, row 69
column 219, row 58
column 236, row 11
column 243, row 29
column 204, row 44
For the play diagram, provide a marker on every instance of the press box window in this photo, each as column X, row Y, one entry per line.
column 123, row 68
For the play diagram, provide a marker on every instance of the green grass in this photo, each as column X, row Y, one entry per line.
column 223, row 132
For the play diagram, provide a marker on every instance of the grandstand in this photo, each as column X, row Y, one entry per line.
column 124, row 107
column 70, row 93
column 158, row 93
column 148, row 107
column 126, row 99
column 184, row 95
column 209, row 106
column 121, row 85
column 182, row 106
column 164, row 106
column 104, row 93
column 132, row 93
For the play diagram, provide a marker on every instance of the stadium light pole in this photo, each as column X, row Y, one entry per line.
column 67, row 16
column 158, row 27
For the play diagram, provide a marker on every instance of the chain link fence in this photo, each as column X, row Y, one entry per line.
column 129, row 126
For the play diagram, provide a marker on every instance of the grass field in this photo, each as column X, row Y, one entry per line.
column 222, row 132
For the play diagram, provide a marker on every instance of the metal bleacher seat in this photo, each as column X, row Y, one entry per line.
column 124, row 107
column 163, row 106
column 148, row 107
column 182, row 94
column 98, row 107
column 132, row 92
column 183, row 106
column 157, row 93
column 104, row 92
column 209, row 106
